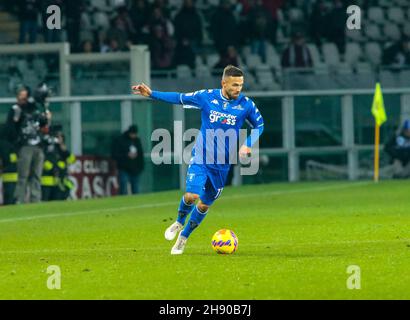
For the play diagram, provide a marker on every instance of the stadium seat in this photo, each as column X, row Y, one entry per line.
column 40, row 67
column 272, row 57
column 406, row 29
column 86, row 22
column 353, row 53
column 202, row 71
column 212, row 59
column 174, row 3
column 265, row 79
column 281, row 18
column 101, row 20
column 250, row 80
column 344, row 68
column 117, row 3
column 396, row 14
column 354, row 35
column 214, row 3
column 392, row 31
column 376, row 14
column 199, row 61
column 22, row 66
column 372, row 31
column 183, row 71
column 402, row 3
column 253, row 60
column 385, row 3
column 373, row 52
column 280, row 35
column 246, row 50
column 100, row 5
column 364, row 67
column 295, row 15
column 331, row 54
column 314, row 52
column 388, row 78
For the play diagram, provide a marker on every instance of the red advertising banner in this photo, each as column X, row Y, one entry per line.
column 93, row 177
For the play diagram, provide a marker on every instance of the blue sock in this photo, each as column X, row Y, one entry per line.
column 183, row 211
column 194, row 221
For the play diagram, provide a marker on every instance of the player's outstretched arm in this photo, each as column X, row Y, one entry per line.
column 142, row 89
column 169, row 97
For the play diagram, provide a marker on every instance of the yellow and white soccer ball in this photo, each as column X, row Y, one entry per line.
column 225, row 241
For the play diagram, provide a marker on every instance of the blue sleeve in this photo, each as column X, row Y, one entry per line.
column 189, row 100
column 169, row 97
column 256, row 121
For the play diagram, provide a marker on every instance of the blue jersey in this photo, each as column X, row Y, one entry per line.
column 217, row 144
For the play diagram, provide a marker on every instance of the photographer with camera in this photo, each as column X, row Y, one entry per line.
column 27, row 124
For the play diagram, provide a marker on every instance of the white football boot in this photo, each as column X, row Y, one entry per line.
column 173, row 230
column 179, row 246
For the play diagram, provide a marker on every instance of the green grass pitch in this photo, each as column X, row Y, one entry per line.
column 295, row 242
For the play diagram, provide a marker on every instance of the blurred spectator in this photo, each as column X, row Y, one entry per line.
column 188, row 34
column 398, row 148
column 139, row 14
column 87, row 46
column 158, row 18
column 121, row 31
column 318, row 19
column 229, row 57
column 273, row 6
column 259, row 26
column 28, row 11
column 73, row 10
column 336, row 25
column 297, row 54
column 162, row 49
column 26, row 123
column 128, row 153
column 224, row 27
column 162, row 6
column 398, row 54
column 110, row 46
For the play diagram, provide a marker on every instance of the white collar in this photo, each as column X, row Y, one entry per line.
column 223, row 98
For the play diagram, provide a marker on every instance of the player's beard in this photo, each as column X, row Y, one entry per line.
column 232, row 96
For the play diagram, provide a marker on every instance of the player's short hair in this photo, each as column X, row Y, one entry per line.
column 232, row 71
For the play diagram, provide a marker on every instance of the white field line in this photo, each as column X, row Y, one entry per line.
column 174, row 203
column 160, row 248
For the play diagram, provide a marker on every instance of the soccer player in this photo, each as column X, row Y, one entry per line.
column 222, row 111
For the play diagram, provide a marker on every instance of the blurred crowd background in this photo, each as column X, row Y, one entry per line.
column 271, row 39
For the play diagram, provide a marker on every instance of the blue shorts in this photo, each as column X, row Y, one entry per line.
column 207, row 183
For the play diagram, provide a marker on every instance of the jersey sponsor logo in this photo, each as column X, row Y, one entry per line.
column 238, row 107
column 222, row 118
